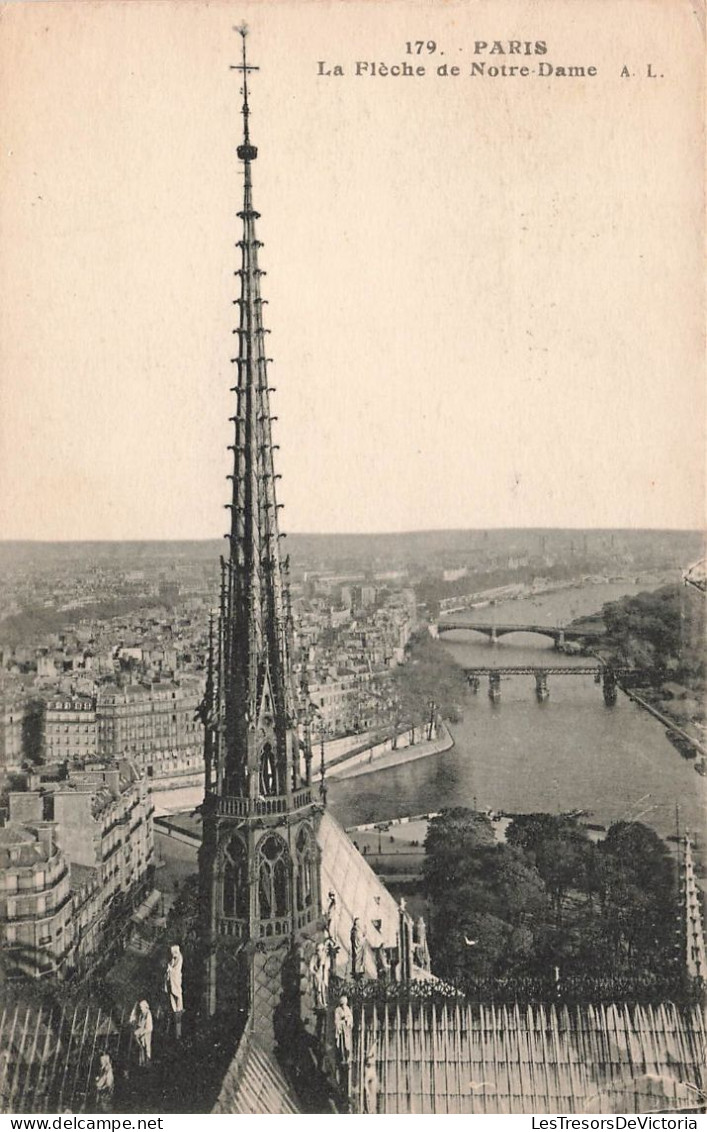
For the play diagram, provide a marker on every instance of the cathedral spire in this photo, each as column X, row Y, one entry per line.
column 258, row 863
column 258, row 672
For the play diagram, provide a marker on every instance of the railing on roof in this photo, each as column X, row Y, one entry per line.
column 237, row 929
column 235, row 806
column 280, row 926
column 512, row 1059
column 648, row 989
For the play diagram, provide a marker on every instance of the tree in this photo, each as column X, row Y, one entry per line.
column 559, row 848
column 549, row 898
column 484, row 897
column 638, row 895
column 452, row 846
column 646, row 629
column 430, row 675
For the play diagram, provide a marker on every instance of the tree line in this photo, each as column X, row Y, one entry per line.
column 548, row 903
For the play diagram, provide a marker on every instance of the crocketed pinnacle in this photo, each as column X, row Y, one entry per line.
column 695, row 961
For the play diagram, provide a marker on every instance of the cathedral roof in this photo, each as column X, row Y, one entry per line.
column 531, row 1059
column 359, row 893
column 255, row 1083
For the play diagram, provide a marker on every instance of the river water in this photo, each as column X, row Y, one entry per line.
column 570, row 752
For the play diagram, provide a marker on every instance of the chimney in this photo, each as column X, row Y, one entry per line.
column 45, row 836
column 26, row 807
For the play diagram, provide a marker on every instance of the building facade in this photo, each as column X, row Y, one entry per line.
column 70, row 729
column 35, row 900
column 103, row 815
column 156, row 725
column 79, row 857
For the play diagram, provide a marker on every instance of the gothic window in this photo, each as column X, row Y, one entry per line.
column 305, row 868
column 273, row 881
column 268, row 772
column 235, row 879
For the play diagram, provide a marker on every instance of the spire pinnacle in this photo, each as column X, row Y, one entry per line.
column 695, row 960
column 246, row 151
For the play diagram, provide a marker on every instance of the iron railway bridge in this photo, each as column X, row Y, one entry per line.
column 609, row 678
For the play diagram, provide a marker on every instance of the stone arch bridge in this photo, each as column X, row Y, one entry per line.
column 560, row 634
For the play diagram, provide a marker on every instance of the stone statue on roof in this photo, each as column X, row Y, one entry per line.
column 173, row 987
column 383, row 964
column 370, row 1081
column 319, row 970
column 332, row 918
column 343, row 1030
column 343, row 1041
column 421, row 952
column 357, row 955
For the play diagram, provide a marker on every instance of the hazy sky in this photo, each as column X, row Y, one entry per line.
column 484, row 293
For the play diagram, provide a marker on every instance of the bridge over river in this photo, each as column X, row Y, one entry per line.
column 560, row 634
column 604, row 675
column 572, row 751
column 594, row 670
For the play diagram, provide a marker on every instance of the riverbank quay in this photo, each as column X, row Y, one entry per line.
column 369, row 760
column 344, row 757
column 177, row 796
column 669, row 721
column 666, row 720
column 373, row 742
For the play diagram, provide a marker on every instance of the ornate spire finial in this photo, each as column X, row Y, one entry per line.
column 246, row 151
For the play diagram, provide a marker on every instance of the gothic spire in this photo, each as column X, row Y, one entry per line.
column 695, row 961
column 258, row 867
column 257, row 693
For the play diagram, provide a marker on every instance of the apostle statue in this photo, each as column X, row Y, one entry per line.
column 319, row 968
column 343, row 1031
column 421, row 951
column 173, row 987
column 105, row 1084
column 370, row 1081
column 357, row 941
column 383, row 964
column 332, row 918
column 141, row 1024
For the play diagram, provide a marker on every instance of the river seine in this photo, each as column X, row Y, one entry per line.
column 570, row 752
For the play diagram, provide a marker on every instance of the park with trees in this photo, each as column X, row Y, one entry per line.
column 663, row 632
column 431, row 683
column 547, row 910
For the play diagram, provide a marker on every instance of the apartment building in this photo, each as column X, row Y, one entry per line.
column 36, row 904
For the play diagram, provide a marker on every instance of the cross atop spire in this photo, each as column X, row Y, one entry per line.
column 246, row 152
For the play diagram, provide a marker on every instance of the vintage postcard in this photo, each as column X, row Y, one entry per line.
column 353, row 753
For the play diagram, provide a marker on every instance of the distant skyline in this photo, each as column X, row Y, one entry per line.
column 485, row 295
column 392, row 534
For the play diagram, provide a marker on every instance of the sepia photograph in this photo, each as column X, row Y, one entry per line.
column 353, row 751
